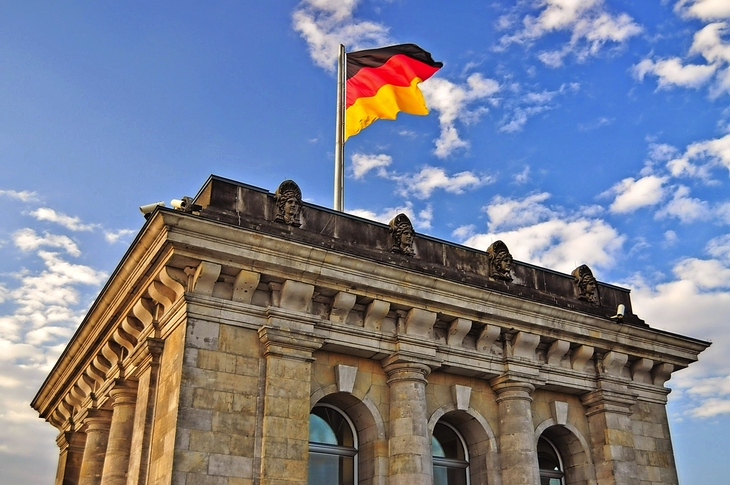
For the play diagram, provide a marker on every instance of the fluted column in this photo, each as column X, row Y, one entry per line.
column 97, row 424
column 116, row 463
column 71, row 450
column 518, row 453
column 409, row 440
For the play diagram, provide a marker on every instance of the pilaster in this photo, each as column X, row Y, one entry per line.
column 71, row 451
column 609, row 419
column 287, row 348
column 147, row 361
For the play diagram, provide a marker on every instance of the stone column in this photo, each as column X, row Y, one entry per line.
column 71, row 451
column 609, row 420
column 116, row 463
column 97, row 424
column 284, row 451
column 147, row 362
column 517, row 450
column 409, row 440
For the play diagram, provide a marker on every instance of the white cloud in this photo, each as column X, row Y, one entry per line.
column 28, row 240
column 506, row 213
column 671, row 72
column 522, row 108
column 464, row 232
column 719, row 247
column 700, row 157
column 363, row 163
column 590, row 26
column 709, row 43
column 704, row 273
column 23, row 195
column 694, row 304
column 420, row 220
column 69, row 222
column 632, row 194
column 703, row 9
column 549, row 237
column 325, row 24
column 685, row 208
column 114, row 236
column 452, row 102
column 422, row 184
column 523, row 176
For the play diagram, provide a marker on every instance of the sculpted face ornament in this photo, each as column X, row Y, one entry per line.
column 402, row 235
column 288, row 203
column 586, row 284
column 501, row 261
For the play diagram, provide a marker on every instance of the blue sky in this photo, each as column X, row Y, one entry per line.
column 592, row 132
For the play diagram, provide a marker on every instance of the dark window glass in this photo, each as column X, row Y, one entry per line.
column 551, row 467
column 332, row 448
column 449, row 456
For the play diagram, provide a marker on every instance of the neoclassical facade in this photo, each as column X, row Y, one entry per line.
column 252, row 338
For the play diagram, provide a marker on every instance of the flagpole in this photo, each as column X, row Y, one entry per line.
column 339, row 203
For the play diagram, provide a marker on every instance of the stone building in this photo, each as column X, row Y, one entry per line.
column 250, row 338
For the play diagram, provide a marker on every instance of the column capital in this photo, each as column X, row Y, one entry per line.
column 406, row 371
column 124, row 392
column 508, row 388
column 288, row 343
column 603, row 400
column 147, row 354
column 97, row 420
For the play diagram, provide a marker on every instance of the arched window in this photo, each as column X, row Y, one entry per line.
column 450, row 458
column 332, row 447
column 551, row 465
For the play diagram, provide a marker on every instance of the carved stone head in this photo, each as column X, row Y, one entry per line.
column 402, row 235
column 288, row 203
column 586, row 284
column 500, row 261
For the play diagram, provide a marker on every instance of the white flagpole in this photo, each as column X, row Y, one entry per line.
column 339, row 202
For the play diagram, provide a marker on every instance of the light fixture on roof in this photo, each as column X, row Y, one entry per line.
column 148, row 209
column 620, row 311
column 185, row 205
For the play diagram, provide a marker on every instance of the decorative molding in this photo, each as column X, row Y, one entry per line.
column 524, row 345
column 375, row 313
column 613, row 363
column 580, row 357
column 457, row 331
column 288, row 198
column 559, row 411
column 296, row 296
column 342, row 303
column 661, row 373
column 461, row 396
column 205, row 277
column 345, row 376
column 487, row 337
column 557, row 351
column 640, row 370
column 245, row 285
column 420, row 322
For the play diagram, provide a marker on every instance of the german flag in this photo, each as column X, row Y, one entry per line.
column 382, row 82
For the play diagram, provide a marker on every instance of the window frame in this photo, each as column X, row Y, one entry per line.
column 544, row 472
column 452, row 462
column 338, row 450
